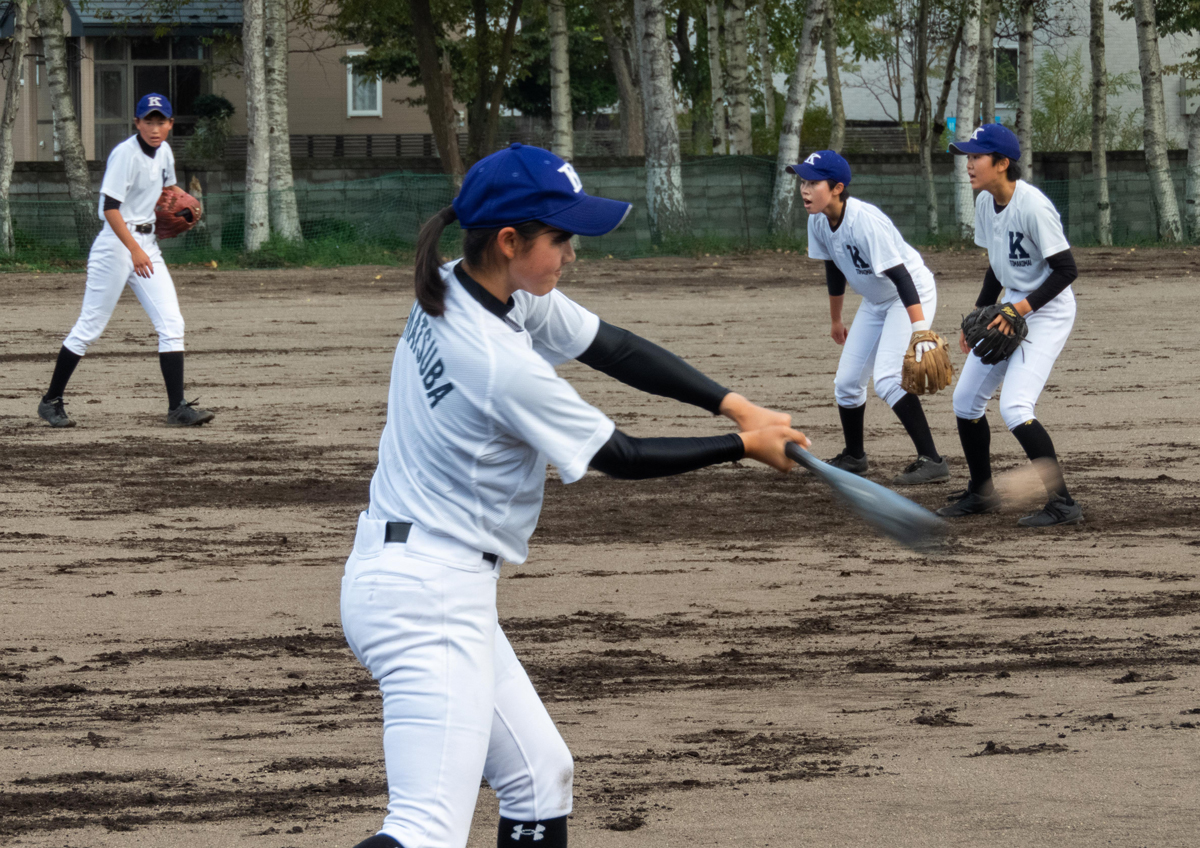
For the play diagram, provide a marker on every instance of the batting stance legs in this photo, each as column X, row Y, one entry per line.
column 457, row 705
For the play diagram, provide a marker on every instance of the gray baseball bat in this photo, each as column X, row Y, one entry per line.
column 892, row 514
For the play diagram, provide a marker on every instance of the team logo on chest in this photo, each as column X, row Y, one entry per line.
column 1018, row 256
column 860, row 265
column 419, row 336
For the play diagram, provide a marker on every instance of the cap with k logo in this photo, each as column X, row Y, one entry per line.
column 823, row 165
column 153, row 103
column 523, row 183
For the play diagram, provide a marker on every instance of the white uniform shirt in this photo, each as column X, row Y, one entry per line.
column 475, row 410
column 137, row 180
column 865, row 245
column 1020, row 237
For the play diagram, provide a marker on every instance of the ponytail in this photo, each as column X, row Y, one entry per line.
column 429, row 285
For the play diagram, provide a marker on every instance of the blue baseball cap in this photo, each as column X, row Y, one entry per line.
column 153, row 103
column 823, row 165
column 523, row 183
column 990, row 138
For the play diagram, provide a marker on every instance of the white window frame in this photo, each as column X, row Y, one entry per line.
column 351, row 112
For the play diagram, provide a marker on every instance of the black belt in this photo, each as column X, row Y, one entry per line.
column 397, row 531
column 145, row 229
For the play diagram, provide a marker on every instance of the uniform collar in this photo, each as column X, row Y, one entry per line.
column 147, row 149
column 486, row 299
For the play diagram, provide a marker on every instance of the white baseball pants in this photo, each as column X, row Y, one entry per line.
column 1025, row 373
column 109, row 270
column 875, row 348
column 457, row 705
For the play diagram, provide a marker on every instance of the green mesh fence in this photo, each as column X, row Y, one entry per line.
column 728, row 201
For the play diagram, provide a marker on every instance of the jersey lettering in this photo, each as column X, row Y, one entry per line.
column 1018, row 256
column 419, row 336
column 860, row 264
column 569, row 171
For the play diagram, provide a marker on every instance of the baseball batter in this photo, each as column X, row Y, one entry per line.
column 475, row 411
column 862, row 247
column 1030, row 259
column 126, row 253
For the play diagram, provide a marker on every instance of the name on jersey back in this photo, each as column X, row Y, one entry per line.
column 419, row 336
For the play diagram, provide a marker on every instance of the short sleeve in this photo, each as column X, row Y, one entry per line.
column 168, row 166
column 560, row 328
column 117, row 176
column 544, row 411
column 816, row 242
column 1044, row 225
column 882, row 241
column 982, row 231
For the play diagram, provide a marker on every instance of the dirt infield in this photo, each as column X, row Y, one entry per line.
column 732, row 659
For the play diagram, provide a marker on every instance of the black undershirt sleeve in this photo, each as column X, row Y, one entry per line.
column 990, row 291
column 627, row 458
column 904, row 284
column 1062, row 273
column 835, row 280
column 111, row 203
column 644, row 365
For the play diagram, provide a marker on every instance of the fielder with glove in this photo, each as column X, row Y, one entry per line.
column 890, row 339
column 1016, row 341
column 175, row 213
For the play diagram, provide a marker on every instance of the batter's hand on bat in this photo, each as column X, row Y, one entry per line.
column 839, row 332
column 766, row 445
column 751, row 416
column 142, row 265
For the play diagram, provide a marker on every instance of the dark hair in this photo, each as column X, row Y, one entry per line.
column 1014, row 169
column 845, row 189
column 476, row 250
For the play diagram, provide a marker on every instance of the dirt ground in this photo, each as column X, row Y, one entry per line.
column 732, row 659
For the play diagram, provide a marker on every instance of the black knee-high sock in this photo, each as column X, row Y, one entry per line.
column 547, row 833
column 379, row 840
column 912, row 416
column 1038, row 445
column 976, row 438
column 63, row 369
column 172, row 371
column 852, row 428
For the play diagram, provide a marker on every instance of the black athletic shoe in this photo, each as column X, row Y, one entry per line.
column 853, row 464
column 924, row 470
column 1056, row 511
column 187, row 415
column 971, row 503
column 52, row 412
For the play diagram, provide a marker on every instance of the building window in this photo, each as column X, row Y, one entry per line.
column 364, row 94
column 1006, row 75
column 127, row 68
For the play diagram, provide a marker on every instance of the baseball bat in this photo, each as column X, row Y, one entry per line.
column 890, row 513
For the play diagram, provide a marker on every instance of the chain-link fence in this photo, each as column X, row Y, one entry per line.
column 728, row 202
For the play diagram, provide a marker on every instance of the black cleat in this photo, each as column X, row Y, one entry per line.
column 1056, row 511
column 971, row 503
column 52, row 412
column 187, row 415
column 853, row 464
column 924, row 470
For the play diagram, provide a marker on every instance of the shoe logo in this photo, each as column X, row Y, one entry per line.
column 535, row 832
column 569, row 171
column 812, row 160
column 856, row 258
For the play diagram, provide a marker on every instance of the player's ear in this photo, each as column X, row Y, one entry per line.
column 508, row 242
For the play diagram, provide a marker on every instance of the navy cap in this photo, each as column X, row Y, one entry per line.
column 990, row 138
column 153, row 103
column 524, row 183
column 823, row 165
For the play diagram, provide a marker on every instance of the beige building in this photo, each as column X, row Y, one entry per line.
column 115, row 58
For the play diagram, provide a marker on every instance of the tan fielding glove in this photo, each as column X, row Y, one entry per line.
column 927, row 365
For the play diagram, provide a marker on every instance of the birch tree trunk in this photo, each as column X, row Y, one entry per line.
column 716, row 76
column 783, row 198
column 925, row 115
column 837, row 133
column 285, row 215
column 964, row 199
column 439, row 92
column 66, row 124
column 258, row 151
column 562, row 139
column 664, row 177
column 1025, row 84
column 629, row 104
column 766, row 66
column 1155, row 132
column 12, row 103
column 739, row 78
column 1100, row 124
column 987, row 60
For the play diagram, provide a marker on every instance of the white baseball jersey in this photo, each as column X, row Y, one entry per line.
column 137, row 180
column 475, row 410
column 865, row 245
column 1020, row 236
